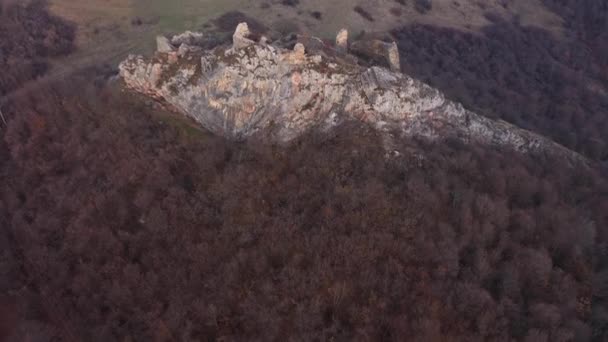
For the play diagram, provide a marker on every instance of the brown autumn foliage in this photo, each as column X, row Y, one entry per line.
column 28, row 36
column 121, row 222
column 133, row 225
column 552, row 84
column 423, row 6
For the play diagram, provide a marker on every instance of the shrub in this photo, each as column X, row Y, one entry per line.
column 229, row 20
column 396, row 11
column 292, row 3
column 317, row 15
column 423, row 6
column 362, row 12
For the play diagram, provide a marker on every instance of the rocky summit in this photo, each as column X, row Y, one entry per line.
column 253, row 87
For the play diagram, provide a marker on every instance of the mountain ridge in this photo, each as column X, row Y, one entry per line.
column 253, row 86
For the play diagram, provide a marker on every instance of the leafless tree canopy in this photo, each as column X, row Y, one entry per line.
column 524, row 75
column 121, row 222
column 29, row 35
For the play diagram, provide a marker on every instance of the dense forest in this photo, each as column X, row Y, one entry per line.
column 122, row 222
column 533, row 78
column 131, row 224
column 28, row 37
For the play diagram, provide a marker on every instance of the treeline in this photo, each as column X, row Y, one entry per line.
column 530, row 77
column 139, row 227
column 28, row 36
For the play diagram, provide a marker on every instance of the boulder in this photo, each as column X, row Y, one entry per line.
column 240, row 38
column 164, row 45
column 393, row 57
column 342, row 40
column 299, row 50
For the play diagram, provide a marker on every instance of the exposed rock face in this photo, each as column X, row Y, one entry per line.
column 283, row 93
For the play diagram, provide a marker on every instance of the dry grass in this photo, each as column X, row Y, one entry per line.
column 94, row 17
column 98, row 19
column 106, row 33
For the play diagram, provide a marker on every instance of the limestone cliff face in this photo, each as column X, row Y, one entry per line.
column 250, row 88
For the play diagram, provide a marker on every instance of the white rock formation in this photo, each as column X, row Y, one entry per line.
column 393, row 57
column 284, row 93
column 299, row 54
column 342, row 40
column 240, row 38
column 163, row 44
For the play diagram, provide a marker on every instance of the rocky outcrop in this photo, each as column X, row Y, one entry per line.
column 240, row 39
column 342, row 40
column 392, row 55
column 252, row 88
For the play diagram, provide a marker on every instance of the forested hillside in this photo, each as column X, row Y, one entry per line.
column 28, row 36
column 120, row 221
column 135, row 227
column 554, row 85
